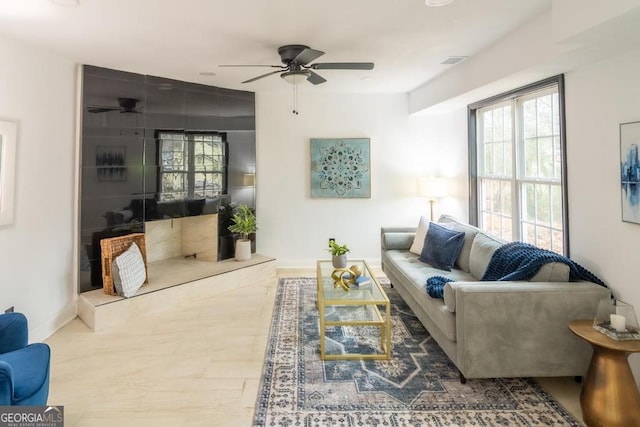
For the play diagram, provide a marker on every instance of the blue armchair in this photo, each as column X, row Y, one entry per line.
column 24, row 369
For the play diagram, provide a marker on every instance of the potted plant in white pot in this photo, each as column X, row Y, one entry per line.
column 338, row 254
column 244, row 223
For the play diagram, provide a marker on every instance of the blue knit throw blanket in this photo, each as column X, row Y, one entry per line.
column 517, row 261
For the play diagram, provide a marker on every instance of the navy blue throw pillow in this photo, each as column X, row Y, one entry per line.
column 441, row 247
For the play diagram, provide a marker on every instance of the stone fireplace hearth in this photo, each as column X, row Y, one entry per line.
column 173, row 283
column 183, row 237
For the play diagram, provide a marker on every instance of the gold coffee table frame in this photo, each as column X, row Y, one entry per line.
column 366, row 299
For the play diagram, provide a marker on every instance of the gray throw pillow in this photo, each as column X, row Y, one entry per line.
column 441, row 247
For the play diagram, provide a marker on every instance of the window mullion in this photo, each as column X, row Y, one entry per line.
column 517, row 151
column 191, row 176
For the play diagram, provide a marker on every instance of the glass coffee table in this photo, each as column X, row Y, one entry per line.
column 358, row 307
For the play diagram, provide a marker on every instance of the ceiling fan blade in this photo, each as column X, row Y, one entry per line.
column 251, row 65
column 262, row 76
column 101, row 109
column 308, row 55
column 343, row 66
column 315, row 78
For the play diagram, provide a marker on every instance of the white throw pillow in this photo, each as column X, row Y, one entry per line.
column 421, row 233
column 128, row 272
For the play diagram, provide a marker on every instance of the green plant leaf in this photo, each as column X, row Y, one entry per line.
column 244, row 221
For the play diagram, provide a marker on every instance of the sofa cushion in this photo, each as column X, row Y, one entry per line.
column 441, row 247
column 409, row 269
column 552, row 272
column 421, row 233
column 469, row 233
column 482, row 249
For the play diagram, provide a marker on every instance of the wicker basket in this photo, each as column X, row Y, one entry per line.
column 114, row 246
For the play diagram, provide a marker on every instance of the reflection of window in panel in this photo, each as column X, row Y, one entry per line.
column 192, row 165
column 174, row 160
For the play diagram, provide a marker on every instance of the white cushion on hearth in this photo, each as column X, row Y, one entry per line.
column 128, row 271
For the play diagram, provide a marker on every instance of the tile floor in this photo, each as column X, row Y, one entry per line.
column 197, row 365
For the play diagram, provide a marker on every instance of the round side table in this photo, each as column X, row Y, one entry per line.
column 609, row 395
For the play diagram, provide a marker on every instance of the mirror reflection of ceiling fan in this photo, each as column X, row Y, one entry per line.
column 297, row 66
column 126, row 105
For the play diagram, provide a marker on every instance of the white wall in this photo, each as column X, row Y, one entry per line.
column 37, row 90
column 598, row 98
column 293, row 227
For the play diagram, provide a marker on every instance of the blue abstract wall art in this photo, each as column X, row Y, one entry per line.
column 630, row 171
column 340, row 168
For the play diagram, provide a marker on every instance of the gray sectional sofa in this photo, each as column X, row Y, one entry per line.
column 494, row 329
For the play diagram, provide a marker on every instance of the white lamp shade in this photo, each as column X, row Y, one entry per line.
column 432, row 187
column 249, row 179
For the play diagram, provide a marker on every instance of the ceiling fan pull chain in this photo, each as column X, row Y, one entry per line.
column 295, row 99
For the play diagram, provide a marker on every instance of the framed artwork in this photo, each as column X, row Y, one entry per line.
column 340, row 168
column 110, row 163
column 630, row 171
column 8, row 135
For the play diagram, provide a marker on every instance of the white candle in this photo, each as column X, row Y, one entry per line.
column 618, row 322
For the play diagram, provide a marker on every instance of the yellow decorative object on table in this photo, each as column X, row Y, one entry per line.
column 345, row 277
column 356, row 270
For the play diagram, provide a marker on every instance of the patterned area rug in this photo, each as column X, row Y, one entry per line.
column 419, row 386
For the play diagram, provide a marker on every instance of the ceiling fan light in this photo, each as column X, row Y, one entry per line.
column 295, row 77
column 437, row 3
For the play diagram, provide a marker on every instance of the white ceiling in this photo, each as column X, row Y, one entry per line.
column 405, row 39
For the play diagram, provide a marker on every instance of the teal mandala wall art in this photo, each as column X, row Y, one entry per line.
column 340, row 168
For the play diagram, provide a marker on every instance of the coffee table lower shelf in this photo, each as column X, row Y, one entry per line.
column 357, row 307
column 385, row 338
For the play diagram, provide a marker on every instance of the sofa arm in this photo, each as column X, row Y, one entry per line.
column 523, row 325
column 6, row 384
column 399, row 238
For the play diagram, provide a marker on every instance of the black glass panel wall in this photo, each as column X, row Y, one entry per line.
column 124, row 116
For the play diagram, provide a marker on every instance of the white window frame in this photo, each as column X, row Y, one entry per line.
column 517, row 180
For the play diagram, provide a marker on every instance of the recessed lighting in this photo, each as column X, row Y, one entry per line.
column 67, row 3
column 207, row 73
column 437, row 3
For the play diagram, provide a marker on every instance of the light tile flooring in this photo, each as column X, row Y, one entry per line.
column 189, row 366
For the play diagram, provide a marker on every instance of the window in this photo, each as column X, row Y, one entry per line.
column 192, row 165
column 517, row 165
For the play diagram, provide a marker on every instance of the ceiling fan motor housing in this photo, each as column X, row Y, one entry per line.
column 289, row 52
column 128, row 103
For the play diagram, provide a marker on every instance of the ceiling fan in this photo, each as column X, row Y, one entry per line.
column 126, row 105
column 297, row 58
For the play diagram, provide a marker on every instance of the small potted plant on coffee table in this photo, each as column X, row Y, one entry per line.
column 338, row 254
column 244, row 223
